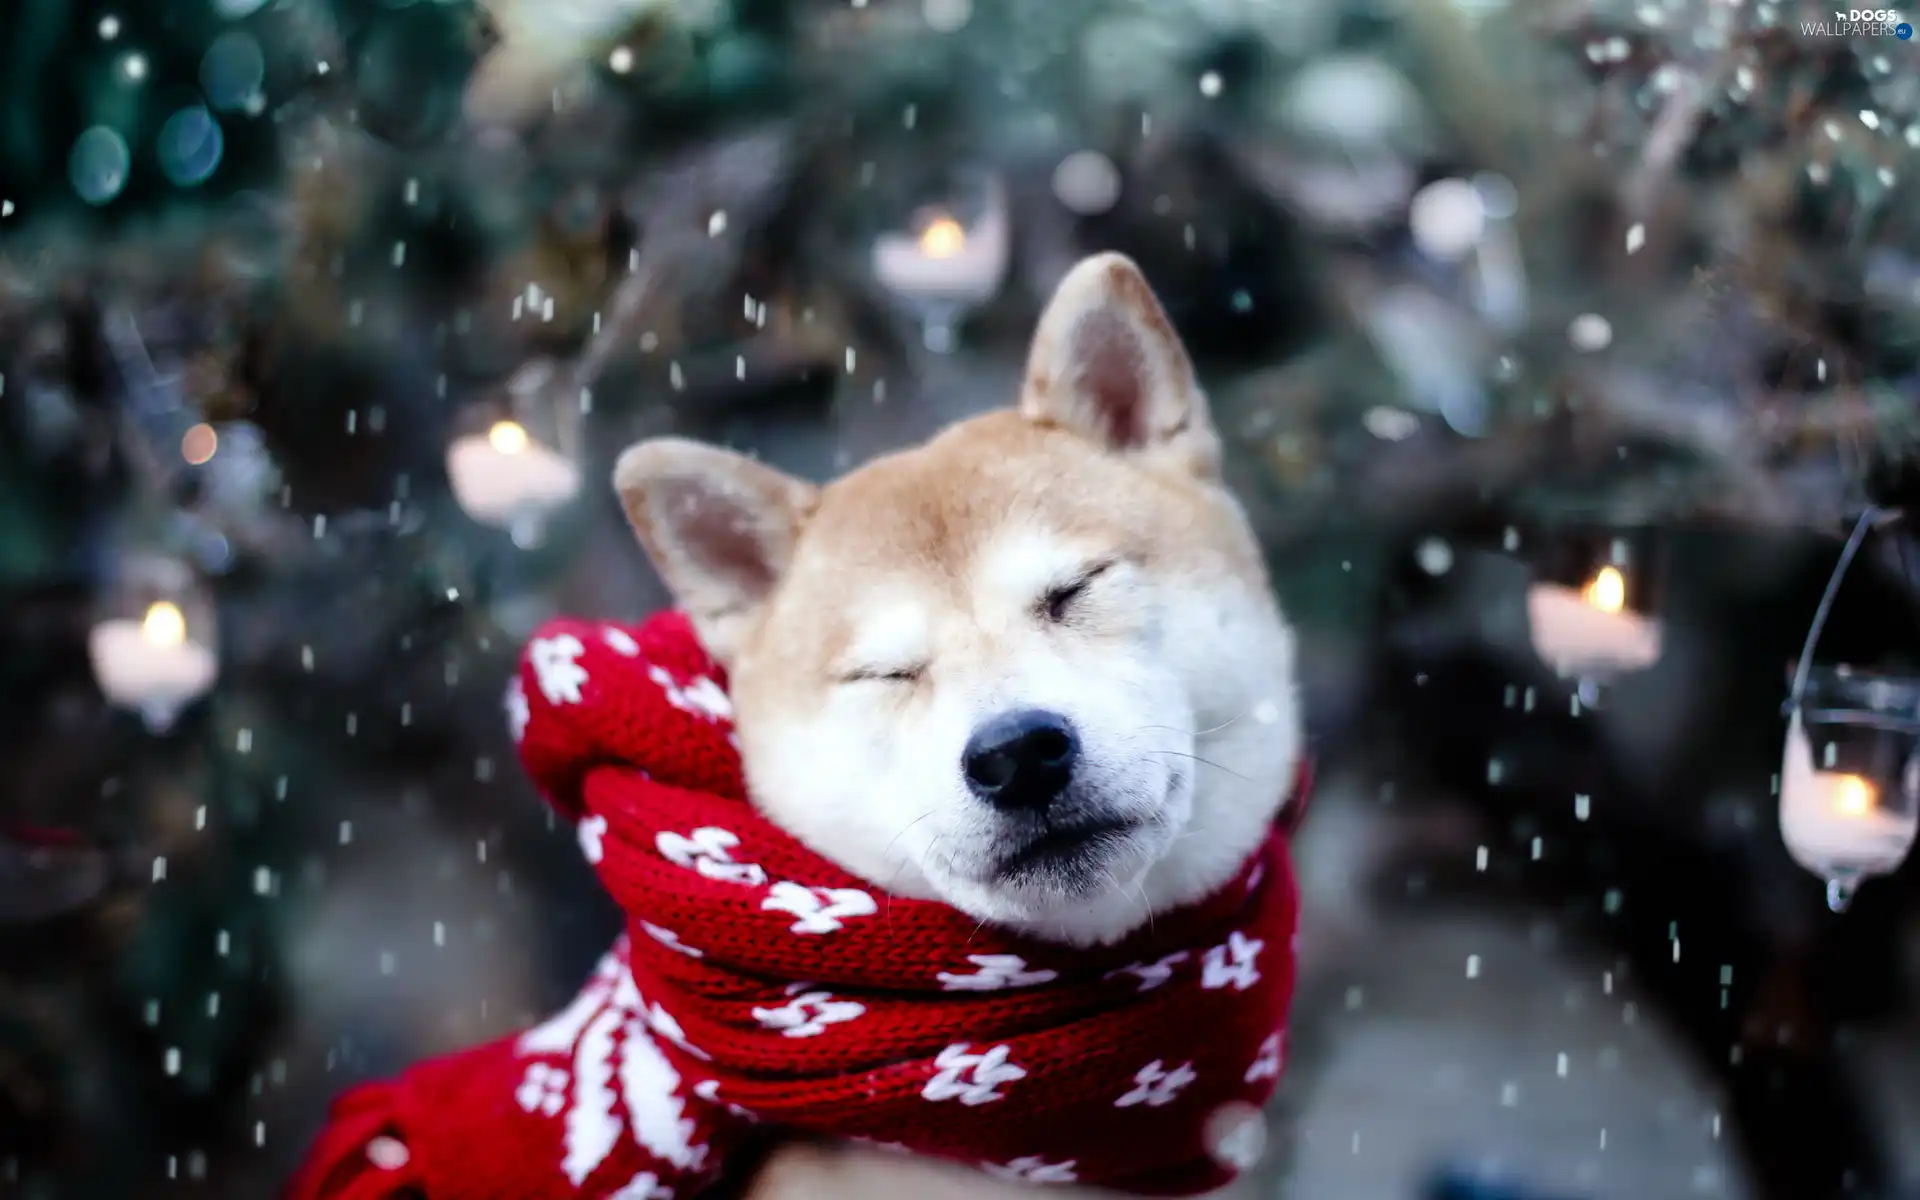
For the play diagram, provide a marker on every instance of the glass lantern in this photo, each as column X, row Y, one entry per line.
column 514, row 462
column 1850, row 774
column 1850, row 777
column 1593, row 606
column 155, row 649
column 951, row 256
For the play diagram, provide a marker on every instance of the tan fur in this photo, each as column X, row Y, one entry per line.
column 930, row 512
column 870, row 624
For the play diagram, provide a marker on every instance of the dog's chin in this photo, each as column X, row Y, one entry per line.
column 1078, row 885
column 1078, row 861
column 1076, row 880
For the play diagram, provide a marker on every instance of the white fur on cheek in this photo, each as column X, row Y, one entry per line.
column 848, row 774
column 1240, row 655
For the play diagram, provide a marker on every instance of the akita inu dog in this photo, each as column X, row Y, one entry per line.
column 1032, row 668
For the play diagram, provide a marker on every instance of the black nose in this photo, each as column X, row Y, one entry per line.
column 1022, row 759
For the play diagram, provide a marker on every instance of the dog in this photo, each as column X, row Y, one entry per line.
column 1040, row 652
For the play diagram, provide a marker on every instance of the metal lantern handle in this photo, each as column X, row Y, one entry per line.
column 1867, row 521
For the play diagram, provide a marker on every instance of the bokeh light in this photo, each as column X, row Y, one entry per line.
column 233, row 70
column 190, row 146
column 99, row 164
column 199, row 444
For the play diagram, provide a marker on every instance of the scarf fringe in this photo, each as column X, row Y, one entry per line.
column 350, row 1161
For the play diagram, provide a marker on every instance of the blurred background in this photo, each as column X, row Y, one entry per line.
column 1560, row 346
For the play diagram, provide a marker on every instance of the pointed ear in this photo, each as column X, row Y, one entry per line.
column 719, row 527
column 1107, row 364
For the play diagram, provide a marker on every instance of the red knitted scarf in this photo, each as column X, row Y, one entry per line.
column 758, row 983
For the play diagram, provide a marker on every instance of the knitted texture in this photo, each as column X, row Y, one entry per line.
column 759, row 983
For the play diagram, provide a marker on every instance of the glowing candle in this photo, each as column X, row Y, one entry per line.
column 1834, row 822
column 504, row 478
column 947, row 261
column 1590, row 631
column 152, row 665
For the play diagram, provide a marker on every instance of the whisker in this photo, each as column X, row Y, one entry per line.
column 899, row 870
column 1140, row 886
column 1229, row 723
column 1207, row 761
column 905, row 829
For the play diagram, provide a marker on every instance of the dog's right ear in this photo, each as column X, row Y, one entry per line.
column 719, row 527
column 1107, row 364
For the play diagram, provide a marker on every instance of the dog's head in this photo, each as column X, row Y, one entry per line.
column 1033, row 667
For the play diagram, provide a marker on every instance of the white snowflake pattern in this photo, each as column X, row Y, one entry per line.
column 543, row 1089
column 972, row 1079
column 1266, row 1064
column 651, row 1089
column 519, row 713
column 1151, row 974
column 1154, row 1085
column 708, row 850
column 709, row 1090
column 557, row 669
column 644, row 1186
column 593, row 1127
column 663, row 1023
column 620, row 641
column 559, row 1033
column 817, row 909
column 808, row 1014
column 592, row 831
column 615, row 1066
column 669, row 939
column 996, row 971
column 1034, row 1169
column 700, row 696
column 1232, row 964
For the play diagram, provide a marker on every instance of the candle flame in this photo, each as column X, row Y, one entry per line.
column 508, row 437
column 1853, row 796
column 165, row 625
column 942, row 238
column 1608, row 591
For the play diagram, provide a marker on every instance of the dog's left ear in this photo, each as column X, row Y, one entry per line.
column 1107, row 364
column 719, row 527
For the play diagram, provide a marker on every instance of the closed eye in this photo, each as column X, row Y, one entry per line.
column 883, row 675
column 1059, row 601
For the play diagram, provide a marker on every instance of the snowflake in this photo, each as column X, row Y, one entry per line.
column 1232, row 964
column 620, row 642
column 700, row 696
column 972, row 1079
column 542, row 1090
column 556, row 667
column 1034, row 1169
column 669, row 939
column 518, row 712
column 817, row 909
column 1155, row 1085
column 996, row 971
